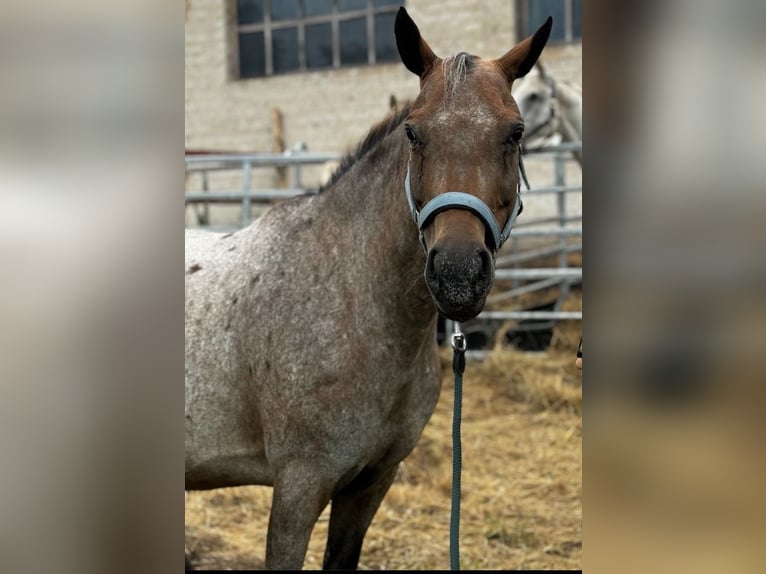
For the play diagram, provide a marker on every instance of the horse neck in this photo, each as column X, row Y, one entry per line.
column 570, row 107
column 384, row 239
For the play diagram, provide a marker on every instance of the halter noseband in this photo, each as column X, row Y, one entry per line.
column 461, row 200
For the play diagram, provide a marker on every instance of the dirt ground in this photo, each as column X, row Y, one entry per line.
column 521, row 483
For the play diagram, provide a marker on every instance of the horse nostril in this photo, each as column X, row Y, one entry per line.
column 485, row 266
column 430, row 265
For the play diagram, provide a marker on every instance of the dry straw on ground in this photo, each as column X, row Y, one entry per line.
column 522, row 479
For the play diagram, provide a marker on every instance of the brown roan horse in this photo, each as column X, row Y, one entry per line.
column 311, row 361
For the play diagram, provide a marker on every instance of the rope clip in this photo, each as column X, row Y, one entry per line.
column 458, row 341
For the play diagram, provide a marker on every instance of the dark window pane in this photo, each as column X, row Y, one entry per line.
column 319, row 46
column 252, row 55
column 539, row 10
column 250, row 11
column 385, row 43
column 284, row 9
column 284, row 44
column 380, row 3
column 318, row 7
column 353, row 41
column 348, row 5
column 576, row 18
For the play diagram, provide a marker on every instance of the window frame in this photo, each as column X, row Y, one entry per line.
column 523, row 29
column 334, row 18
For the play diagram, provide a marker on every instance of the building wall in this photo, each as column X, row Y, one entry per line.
column 329, row 110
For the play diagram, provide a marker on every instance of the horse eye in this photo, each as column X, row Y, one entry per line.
column 533, row 97
column 515, row 136
column 410, row 134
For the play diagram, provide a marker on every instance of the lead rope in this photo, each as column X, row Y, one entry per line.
column 458, row 366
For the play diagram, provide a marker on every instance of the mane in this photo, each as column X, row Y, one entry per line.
column 455, row 70
column 374, row 137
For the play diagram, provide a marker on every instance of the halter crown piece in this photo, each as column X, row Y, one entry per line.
column 461, row 200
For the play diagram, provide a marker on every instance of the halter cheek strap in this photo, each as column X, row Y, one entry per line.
column 461, row 200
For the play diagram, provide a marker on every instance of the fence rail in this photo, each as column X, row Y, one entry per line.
column 210, row 162
column 237, row 196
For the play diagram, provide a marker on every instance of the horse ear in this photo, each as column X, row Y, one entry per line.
column 415, row 53
column 517, row 62
column 541, row 69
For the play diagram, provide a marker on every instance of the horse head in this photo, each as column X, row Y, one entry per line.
column 537, row 102
column 464, row 130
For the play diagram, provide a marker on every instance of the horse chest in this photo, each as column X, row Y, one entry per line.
column 405, row 404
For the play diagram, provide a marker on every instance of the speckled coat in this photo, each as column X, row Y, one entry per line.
column 310, row 341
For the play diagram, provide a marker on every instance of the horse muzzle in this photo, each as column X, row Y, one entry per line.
column 459, row 279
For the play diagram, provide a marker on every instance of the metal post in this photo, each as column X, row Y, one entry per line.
column 449, row 328
column 514, row 251
column 247, row 176
column 560, row 167
column 206, row 207
column 297, row 175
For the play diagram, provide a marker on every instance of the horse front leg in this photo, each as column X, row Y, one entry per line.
column 299, row 498
column 353, row 509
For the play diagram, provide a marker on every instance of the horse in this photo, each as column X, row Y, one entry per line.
column 549, row 107
column 311, row 356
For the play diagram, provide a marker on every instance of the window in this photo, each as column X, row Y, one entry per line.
column 567, row 18
column 282, row 36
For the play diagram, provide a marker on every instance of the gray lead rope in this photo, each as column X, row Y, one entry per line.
column 442, row 202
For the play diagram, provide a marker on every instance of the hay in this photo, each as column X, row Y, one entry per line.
column 566, row 334
column 522, row 479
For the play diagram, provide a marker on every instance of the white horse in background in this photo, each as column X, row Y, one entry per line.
column 549, row 108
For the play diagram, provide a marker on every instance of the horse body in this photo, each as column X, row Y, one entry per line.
column 326, row 412
column 266, row 400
